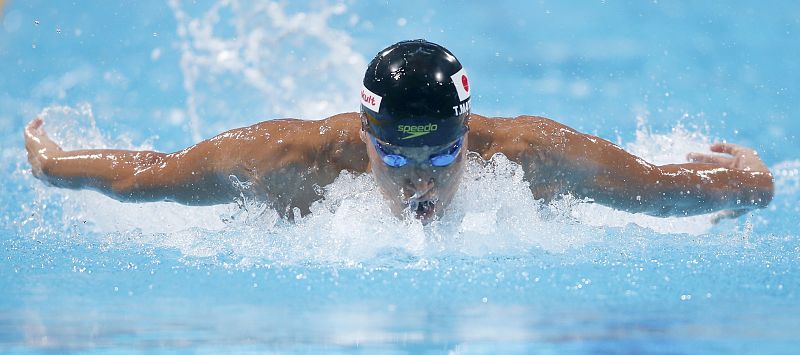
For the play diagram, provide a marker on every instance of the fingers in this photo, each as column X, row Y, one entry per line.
column 33, row 130
column 35, row 123
column 36, row 138
column 744, row 158
column 732, row 149
column 32, row 126
column 38, row 146
column 709, row 159
column 36, row 142
column 722, row 147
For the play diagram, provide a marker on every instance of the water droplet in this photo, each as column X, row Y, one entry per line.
column 484, row 300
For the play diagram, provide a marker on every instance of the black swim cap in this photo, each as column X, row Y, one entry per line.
column 415, row 93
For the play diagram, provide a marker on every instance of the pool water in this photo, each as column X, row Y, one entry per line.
column 500, row 273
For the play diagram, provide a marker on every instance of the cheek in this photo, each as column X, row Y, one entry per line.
column 451, row 181
column 452, row 172
column 379, row 169
column 385, row 178
column 450, row 177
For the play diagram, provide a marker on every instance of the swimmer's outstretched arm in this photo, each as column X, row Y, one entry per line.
column 189, row 176
column 278, row 161
column 591, row 167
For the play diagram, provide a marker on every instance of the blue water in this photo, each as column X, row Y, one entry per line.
column 501, row 273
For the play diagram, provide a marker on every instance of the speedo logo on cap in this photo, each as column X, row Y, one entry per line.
column 412, row 131
column 461, row 82
column 370, row 99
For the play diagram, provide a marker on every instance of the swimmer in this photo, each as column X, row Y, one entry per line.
column 412, row 134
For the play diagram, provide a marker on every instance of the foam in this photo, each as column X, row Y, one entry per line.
column 659, row 149
column 253, row 60
column 493, row 213
column 243, row 61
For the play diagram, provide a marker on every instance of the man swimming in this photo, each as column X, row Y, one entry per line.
column 413, row 132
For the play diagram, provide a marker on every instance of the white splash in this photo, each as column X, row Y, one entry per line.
column 75, row 128
column 493, row 213
column 659, row 149
column 245, row 61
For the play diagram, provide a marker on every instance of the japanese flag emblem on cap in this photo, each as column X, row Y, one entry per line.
column 461, row 82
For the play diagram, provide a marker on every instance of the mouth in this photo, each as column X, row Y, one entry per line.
column 423, row 210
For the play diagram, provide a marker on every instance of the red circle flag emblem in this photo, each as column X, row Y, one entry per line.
column 460, row 77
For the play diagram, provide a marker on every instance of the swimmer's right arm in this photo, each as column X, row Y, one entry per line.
column 278, row 160
column 191, row 176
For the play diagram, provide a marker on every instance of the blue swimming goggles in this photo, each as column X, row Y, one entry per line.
column 441, row 159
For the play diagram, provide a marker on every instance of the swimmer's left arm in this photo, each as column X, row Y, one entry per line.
column 597, row 169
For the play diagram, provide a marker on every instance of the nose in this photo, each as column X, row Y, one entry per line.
column 421, row 185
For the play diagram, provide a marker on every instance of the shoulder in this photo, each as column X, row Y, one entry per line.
column 284, row 142
column 297, row 133
column 343, row 124
column 536, row 143
column 289, row 137
column 489, row 135
column 520, row 125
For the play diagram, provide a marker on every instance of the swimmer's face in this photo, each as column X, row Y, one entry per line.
column 418, row 187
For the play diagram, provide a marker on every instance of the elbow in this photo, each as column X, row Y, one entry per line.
column 661, row 206
column 131, row 190
column 677, row 203
column 665, row 211
column 123, row 190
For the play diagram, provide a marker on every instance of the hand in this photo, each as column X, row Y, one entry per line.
column 736, row 157
column 39, row 146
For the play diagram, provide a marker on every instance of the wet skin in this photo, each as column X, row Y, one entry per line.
column 285, row 161
column 419, row 186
